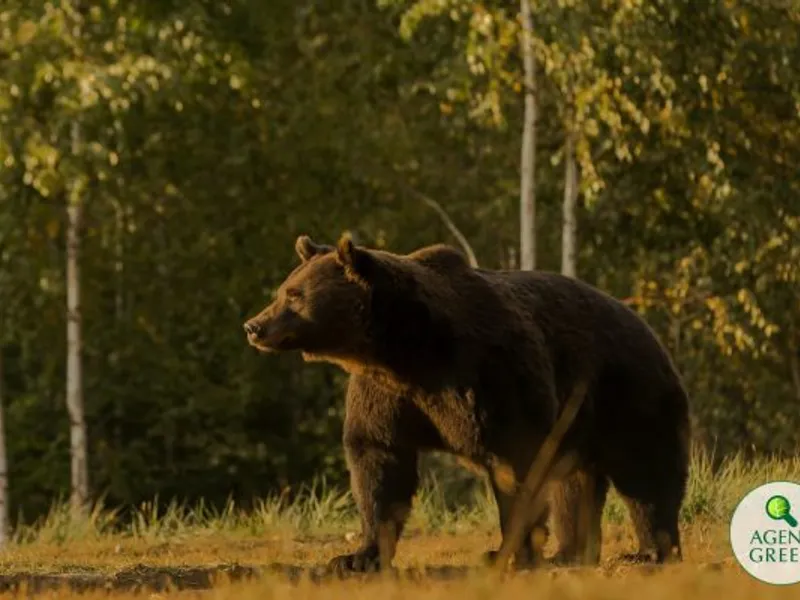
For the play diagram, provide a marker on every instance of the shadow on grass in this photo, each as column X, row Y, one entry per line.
column 142, row 578
column 159, row 579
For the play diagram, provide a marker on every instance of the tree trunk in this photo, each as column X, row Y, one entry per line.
column 3, row 465
column 570, row 223
column 78, row 454
column 527, row 253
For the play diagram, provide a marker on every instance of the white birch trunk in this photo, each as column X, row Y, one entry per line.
column 3, row 464
column 570, row 223
column 527, row 255
column 77, row 431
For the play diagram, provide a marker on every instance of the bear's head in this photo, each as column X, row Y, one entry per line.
column 356, row 306
column 320, row 307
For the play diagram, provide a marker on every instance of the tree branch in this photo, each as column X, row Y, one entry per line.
column 450, row 225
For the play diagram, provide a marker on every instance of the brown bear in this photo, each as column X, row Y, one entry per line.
column 479, row 363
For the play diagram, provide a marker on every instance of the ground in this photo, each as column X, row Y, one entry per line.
column 224, row 566
column 277, row 549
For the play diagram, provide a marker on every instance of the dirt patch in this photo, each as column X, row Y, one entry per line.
column 138, row 578
column 145, row 578
column 159, row 579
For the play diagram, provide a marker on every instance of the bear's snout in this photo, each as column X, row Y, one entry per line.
column 270, row 332
column 252, row 328
column 257, row 330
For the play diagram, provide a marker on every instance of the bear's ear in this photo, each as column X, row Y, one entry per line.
column 307, row 249
column 356, row 261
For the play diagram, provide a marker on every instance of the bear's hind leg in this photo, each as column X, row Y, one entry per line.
column 383, row 481
column 576, row 505
column 656, row 526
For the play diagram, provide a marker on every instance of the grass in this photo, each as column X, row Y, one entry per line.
column 191, row 542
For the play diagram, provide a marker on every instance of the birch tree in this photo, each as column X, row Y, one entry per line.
column 570, row 223
column 528, row 154
column 77, row 428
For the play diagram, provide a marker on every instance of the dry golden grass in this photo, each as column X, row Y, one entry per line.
column 704, row 543
column 708, row 569
column 275, row 551
column 672, row 584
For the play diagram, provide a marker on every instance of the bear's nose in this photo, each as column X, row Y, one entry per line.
column 251, row 328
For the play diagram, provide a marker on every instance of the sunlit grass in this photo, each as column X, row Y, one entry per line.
column 675, row 584
column 453, row 522
column 712, row 494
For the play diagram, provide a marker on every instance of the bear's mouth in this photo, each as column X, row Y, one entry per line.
column 272, row 344
column 262, row 348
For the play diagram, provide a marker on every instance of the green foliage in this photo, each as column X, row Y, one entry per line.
column 204, row 137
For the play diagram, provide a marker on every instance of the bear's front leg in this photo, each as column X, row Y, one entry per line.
column 383, row 480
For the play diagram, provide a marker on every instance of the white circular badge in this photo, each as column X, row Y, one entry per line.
column 765, row 533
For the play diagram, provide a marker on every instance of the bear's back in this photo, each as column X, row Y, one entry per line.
column 583, row 326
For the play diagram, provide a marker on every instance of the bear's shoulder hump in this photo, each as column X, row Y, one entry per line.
column 440, row 256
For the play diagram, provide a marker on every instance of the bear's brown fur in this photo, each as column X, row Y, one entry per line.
column 479, row 363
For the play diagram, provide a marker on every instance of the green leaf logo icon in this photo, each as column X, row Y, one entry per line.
column 778, row 508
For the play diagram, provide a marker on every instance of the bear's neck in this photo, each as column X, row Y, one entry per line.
column 423, row 363
column 408, row 340
column 389, row 371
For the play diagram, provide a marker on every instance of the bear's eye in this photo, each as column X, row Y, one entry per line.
column 293, row 294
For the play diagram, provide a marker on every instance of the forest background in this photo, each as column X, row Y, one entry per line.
column 158, row 160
